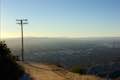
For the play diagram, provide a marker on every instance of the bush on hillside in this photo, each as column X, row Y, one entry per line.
column 78, row 70
column 9, row 69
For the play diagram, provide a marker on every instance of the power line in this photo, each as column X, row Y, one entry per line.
column 21, row 22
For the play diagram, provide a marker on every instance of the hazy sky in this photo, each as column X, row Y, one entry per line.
column 61, row 18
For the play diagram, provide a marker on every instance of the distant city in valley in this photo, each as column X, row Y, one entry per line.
column 68, row 52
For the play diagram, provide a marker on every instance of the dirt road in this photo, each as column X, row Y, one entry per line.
column 52, row 72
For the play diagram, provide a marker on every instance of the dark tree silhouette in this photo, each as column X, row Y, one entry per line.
column 9, row 69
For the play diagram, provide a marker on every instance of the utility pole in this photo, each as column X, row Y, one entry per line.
column 21, row 22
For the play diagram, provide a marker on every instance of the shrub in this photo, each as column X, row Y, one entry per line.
column 9, row 69
column 78, row 70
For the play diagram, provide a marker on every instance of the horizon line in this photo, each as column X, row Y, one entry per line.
column 63, row 37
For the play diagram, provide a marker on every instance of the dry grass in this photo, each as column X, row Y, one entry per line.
column 51, row 72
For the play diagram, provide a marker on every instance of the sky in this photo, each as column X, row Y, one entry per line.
column 60, row 18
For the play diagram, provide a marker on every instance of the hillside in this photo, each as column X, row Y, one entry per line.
column 52, row 72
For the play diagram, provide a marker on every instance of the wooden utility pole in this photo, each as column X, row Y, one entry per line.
column 21, row 22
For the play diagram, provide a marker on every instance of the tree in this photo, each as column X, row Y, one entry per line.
column 9, row 69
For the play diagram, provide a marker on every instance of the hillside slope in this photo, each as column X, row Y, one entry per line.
column 52, row 72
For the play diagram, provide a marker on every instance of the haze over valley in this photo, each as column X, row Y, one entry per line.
column 68, row 52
